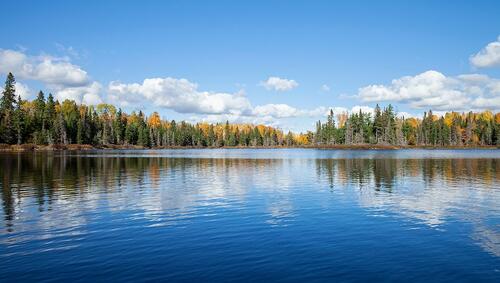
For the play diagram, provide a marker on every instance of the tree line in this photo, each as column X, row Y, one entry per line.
column 386, row 128
column 46, row 121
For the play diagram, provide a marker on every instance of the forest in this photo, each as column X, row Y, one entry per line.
column 46, row 121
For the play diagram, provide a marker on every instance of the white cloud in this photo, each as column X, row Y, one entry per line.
column 64, row 79
column 69, row 81
column 184, row 96
column 234, row 118
column 44, row 68
column 180, row 95
column 409, row 115
column 279, row 84
column 488, row 56
column 323, row 111
column 325, row 88
column 23, row 90
column 276, row 110
column 281, row 115
column 434, row 90
column 88, row 94
column 364, row 109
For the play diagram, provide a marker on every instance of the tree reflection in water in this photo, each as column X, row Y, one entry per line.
column 64, row 185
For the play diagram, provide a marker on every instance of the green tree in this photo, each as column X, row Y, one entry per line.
column 7, row 127
column 50, row 116
column 378, row 124
column 19, row 120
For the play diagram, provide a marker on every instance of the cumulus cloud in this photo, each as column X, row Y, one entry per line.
column 489, row 56
column 279, row 84
column 184, row 96
column 433, row 89
column 69, row 81
column 240, row 119
column 44, row 68
column 60, row 76
column 323, row 111
column 180, row 95
column 88, row 94
column 286, row 111
column 408, row 115
column 276, row 110
column 23, row 90
column 282, row 115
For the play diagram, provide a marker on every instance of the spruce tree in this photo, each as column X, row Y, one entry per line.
column 7, row 127
column 39, row 119
column 40, row 110
column 378, row 124
column 50, row 117
column 19, row 120
column 211, row 136
column 330, row 128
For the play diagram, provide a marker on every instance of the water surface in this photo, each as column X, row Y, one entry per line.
column 290, row 215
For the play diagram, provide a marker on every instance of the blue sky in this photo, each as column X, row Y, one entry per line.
column 213, row 60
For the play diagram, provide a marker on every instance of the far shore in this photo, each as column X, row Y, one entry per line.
column 73, row 147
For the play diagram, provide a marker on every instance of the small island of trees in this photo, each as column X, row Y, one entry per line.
column 45, row 121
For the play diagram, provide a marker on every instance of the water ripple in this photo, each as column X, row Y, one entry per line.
column 266, row 215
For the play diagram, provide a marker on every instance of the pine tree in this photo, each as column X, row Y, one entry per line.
column 227, row 132
column 39, row 119
column 60, row 130
column 40, row 110
column 119, row 127
column 390, row 125
column 378, row 125
column 211, row 136
column 348, row 136
column 7, row 127
column 330, row 129
column 50, row 117
column 289, row 139
column 318, row 137
column 19, row 120
column 80, row 133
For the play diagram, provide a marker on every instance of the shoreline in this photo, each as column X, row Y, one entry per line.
column 83, row 147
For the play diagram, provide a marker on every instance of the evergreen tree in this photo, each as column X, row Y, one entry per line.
column 19, row 120
column 289, row 139
column 330, row 129
column 60, row 132
column 46, row 121
column 318, row 137
column 227, row 132
column 378, row 125
column 119, row 127
column 50, row 117
column 80, row 132
column 7, row 127
column 211, row 136
column 39, row 134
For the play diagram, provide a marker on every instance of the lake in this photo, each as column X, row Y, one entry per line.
column 287, row 215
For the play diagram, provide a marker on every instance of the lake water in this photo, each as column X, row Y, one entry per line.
column 288, row 215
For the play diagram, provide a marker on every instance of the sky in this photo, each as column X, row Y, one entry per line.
column 279, row 63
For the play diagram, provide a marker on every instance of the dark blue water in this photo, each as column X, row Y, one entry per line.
column 251, row 215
